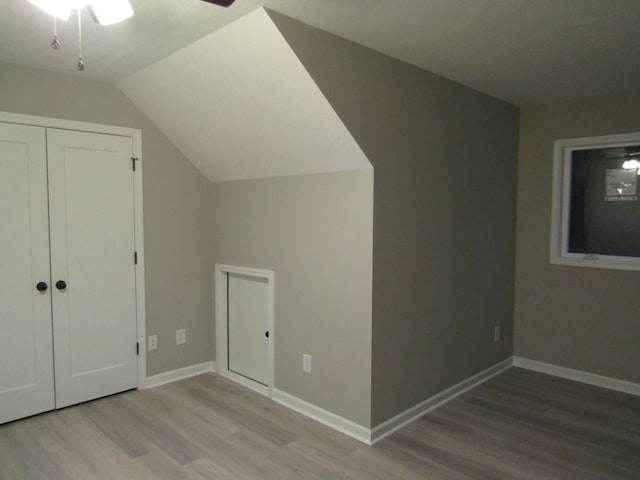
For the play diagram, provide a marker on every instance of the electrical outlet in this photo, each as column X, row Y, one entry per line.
column 306, row 363
column 152, row 342
column 496, row 333
column 181, row 336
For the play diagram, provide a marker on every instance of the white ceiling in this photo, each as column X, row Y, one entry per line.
column 522, row 51
column 248, row 110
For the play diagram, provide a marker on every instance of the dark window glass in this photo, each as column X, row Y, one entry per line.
column 604, row 211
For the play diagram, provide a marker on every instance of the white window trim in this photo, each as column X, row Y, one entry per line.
column 561, row 197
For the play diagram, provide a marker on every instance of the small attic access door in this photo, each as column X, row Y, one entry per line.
column 244, row 326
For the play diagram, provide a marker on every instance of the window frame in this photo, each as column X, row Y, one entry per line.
column 559, row 251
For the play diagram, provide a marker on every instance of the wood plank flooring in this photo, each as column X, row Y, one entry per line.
column 519, row 425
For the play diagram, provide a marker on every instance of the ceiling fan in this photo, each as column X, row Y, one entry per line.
column 104, row 12
column 220, row 3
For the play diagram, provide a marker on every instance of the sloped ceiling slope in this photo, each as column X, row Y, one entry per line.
column 240, row 105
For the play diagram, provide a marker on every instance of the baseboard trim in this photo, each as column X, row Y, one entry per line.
column 179, row 374
column 246, row 382
column 578, row 376
column 325, row 417
column 396, row 423
column 372, row 436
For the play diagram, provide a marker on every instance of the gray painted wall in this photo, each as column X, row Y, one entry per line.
column 314, row 232
column 176, row 208
column 580, row 318
column 445, row 163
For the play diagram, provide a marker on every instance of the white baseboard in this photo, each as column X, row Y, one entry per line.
column 396, row 423
column 179, row 374
column 325, row 417
column 246, row 382
column 371, row 436
column 578, row 376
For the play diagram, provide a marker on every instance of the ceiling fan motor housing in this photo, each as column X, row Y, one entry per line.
column 220, row 3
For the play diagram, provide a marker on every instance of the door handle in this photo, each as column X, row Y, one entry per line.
column 42, row 286
column 61, row 285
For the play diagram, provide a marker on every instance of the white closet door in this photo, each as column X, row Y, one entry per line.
column 91, row 201
column 248, row 322
column 26, row 357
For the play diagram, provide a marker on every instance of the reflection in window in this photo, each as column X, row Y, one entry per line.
column 596, row 208
column 604, row 214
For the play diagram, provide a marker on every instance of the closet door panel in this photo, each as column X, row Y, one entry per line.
column 26, row 357
column 91, row 190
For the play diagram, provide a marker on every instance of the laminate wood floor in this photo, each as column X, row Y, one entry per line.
column 519, row 425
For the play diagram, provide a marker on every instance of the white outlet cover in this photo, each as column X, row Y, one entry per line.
column 306, row 363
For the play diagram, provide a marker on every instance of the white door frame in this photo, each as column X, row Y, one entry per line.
column 136, row 136
column 221, row 310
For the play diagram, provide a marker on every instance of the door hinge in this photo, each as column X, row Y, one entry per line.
column 133, row 162
column 135, row 258
column 137, row 348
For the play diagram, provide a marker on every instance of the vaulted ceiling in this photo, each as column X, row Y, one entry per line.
column 245, row 110
column 522, row 51
column 202, row 73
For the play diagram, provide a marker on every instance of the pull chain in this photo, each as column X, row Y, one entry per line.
column 56, row 43
column 80, row 62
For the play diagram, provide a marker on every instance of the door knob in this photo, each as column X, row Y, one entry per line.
column 61, row 284
column 42, row 286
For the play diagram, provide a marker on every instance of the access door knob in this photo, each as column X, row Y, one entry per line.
column 61, row 284
column 42, row 286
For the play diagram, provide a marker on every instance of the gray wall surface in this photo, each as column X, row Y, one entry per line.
column 574, row 317
column 178, row 270
column 445, row 162
column 315, row 233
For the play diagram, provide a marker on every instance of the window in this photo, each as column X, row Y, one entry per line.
column 596, row 211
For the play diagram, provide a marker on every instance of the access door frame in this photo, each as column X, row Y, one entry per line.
column 221, row 330
column 136, row 136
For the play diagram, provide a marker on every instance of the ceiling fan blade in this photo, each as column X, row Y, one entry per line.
column 220, row 3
